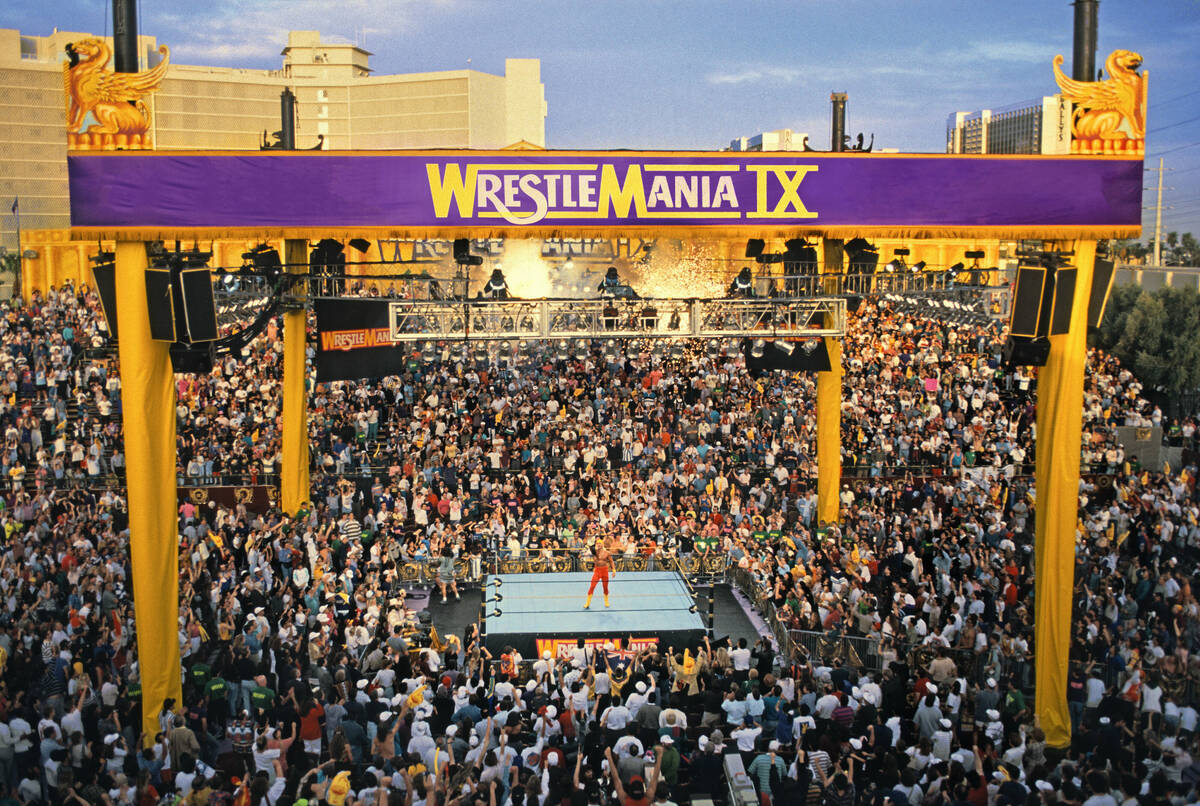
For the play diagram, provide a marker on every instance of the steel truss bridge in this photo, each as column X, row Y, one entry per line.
column 487, row 320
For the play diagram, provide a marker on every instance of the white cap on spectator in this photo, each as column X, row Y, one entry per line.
column 931, row 688
column 856, row 744
column 993, row 714
column 945, row 723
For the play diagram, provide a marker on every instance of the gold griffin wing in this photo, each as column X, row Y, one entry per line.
column 1092, row 94
column 111, row 87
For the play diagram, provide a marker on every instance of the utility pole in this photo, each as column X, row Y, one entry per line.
column 1158, row 218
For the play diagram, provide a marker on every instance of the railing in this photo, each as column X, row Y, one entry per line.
column 867, row 284
column 696, row 567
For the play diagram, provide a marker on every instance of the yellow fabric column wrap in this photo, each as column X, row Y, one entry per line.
column 829, row 434
column 293, row 477
column 1059, row 427
column 148, row 412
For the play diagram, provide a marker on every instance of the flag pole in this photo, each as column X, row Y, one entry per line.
column 16, row 208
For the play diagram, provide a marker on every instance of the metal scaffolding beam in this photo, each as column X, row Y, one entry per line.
column 479, row 320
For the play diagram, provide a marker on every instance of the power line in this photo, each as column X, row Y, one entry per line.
column 1173, row 125
column 1178, row 148
column 1178, row 97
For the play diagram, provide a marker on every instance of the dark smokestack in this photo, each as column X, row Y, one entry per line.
column 125, row 36
column 838, row 134
column 287, row 114
column 1083, row 60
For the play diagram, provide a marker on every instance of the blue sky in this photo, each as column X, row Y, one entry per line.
column 678, row 74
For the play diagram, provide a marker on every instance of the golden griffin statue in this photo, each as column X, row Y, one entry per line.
column 1110, row 115
column 114, row 100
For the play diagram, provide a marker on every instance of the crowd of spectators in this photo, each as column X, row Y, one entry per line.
column 306, row 677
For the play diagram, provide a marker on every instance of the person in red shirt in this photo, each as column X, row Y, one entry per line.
column 312, row 718
column 600, row 573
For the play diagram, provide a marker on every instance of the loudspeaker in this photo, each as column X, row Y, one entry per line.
column 755, row 246
column 199, row 307
column 1063, row 302
column 1029, row 290
column 161, row 305
column 1023, row 352
column 1102, row 282
column 105, row 275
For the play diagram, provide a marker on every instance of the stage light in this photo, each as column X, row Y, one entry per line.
column 754, row 247
column 563, row 350
column 462, row 253
column 676, row 351
column 713, row 348
column 810, row 346
column 429, row 352
column 918, row 266
column 786, row 347
column 264, row 259
column 657, row 351
column 757, row 348
column 481, row 353
column 506, row 348
column 360, row 244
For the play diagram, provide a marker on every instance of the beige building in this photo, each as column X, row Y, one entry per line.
column 229, row 108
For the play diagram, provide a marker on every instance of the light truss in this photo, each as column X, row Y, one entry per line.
column 418, row 320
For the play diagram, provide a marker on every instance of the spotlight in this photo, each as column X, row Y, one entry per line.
column 919, row 266
column 757, row 348
column 810, row 346
column 524, row 349
column 481, row 353
column 676, row 351
column 429, row 353
column 506, row 347
column 462, row 253
column 263, row 258
column 563, row 350
column 754, row 247
column 786, row 347
column 713, row 348
column 360, row 244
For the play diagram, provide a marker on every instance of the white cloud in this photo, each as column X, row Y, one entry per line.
column 1011, row 51
column 235, row 32
column 780, row 75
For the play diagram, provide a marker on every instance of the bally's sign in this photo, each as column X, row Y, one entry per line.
column 554, row 191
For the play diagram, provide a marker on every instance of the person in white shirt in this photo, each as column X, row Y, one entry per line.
column 746, row 736
column 741, row 661
column 615, row 717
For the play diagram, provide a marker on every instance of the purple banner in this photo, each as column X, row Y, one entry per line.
column 602, row 189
